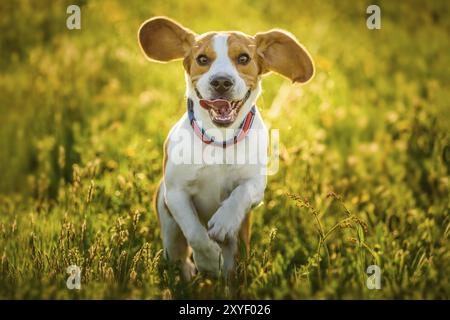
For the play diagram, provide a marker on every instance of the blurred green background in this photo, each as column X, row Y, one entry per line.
column 365, row 153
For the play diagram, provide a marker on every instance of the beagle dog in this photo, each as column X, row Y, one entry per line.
column 216, row 155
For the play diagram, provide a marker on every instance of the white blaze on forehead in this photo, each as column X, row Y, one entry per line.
column 222, row 63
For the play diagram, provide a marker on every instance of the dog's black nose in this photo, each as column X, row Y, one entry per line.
column 221, row 84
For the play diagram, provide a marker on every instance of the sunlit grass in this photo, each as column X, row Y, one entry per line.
column 364, row 163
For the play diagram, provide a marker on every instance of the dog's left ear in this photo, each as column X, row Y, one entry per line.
column 163, row 39
column 280, row 52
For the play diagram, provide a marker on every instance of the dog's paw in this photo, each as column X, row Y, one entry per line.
column 188, row 270
column 208, row 258
column 221, row 226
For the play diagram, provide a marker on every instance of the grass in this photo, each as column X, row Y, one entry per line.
column 364, row 164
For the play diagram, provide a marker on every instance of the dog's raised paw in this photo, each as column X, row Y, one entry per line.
column 220, row 227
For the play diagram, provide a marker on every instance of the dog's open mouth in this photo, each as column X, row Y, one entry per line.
column 223, row 112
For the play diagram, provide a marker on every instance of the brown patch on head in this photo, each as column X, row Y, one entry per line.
column 203, row 45
column 241, row 44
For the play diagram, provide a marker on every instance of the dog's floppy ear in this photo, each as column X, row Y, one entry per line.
column 280, row 52
column 163, row 39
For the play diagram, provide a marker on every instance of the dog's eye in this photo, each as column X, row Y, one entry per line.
column 202, row 60
column 243, row 58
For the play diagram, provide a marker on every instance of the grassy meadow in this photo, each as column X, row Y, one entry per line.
column 364, row 155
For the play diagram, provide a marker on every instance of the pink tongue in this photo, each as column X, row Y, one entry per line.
column 220, row 105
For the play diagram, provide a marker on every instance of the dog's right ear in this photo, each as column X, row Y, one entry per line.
column 163, row 39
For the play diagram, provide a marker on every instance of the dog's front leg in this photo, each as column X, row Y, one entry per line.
column 207, row 253
column 226, row 222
